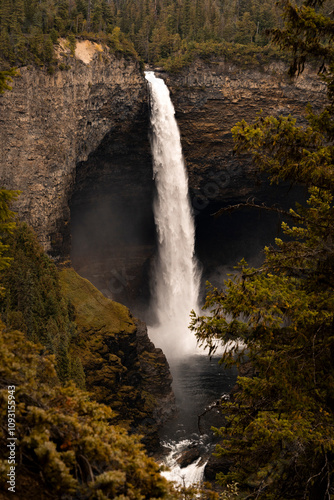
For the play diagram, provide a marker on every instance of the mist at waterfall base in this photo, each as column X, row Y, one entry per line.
column 175, row 284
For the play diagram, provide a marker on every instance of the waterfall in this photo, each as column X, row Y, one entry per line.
column 175, row 289
column 176, row 275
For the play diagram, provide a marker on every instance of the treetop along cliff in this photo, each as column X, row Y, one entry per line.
column 167, row 32
column 279, row 431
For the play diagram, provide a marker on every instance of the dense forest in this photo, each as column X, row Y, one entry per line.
column 166, row 32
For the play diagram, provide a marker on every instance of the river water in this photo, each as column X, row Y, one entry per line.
column 199, row 385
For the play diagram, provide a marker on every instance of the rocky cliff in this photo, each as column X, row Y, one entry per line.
column 209, row 99
column 76, row 144
column 50, row 123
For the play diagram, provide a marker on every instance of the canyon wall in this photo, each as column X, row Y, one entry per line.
column 211, row 98
column 49, row 123
column 114, row 187
column 76, row 144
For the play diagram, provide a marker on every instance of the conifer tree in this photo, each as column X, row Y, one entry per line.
column 7, row 223
column 65, row 446
column 279, row 434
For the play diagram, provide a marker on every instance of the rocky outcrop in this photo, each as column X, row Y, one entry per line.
column 123, row 369
column 216, row 465
column 156, row 377
column 188, row 456
column 49, row 123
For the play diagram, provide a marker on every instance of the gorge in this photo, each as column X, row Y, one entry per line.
column 76, row 144
column 95, row 115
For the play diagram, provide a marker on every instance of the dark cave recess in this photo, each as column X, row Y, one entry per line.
column 113, row 230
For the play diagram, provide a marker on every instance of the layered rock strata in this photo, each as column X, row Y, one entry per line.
column 210, row 99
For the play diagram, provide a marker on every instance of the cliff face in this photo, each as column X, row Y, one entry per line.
column 49, row 123
column 209, row 99
column 76, row 144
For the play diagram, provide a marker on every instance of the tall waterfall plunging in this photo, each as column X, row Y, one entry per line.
column 197, row 381
column 176, row 275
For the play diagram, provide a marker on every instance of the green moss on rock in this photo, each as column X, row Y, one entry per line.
column 123, row 369
column 93, row 310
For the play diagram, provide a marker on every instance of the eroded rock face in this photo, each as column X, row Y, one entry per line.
column 49, row 123
column 210, row 99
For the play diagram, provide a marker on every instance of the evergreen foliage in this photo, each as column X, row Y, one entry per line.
column 279, row 433
column 34, row 304
column 158, row 30
column 64, row 440
column 7, row 224
column 5, row 78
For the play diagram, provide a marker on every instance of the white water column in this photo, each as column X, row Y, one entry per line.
column 176, row 275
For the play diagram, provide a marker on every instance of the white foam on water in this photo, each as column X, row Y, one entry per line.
column 186, row 476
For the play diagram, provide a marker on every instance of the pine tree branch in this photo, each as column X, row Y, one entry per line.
column 252, row 204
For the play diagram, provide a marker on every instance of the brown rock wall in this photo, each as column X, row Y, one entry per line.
column 210, row 98
column 51, row 122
